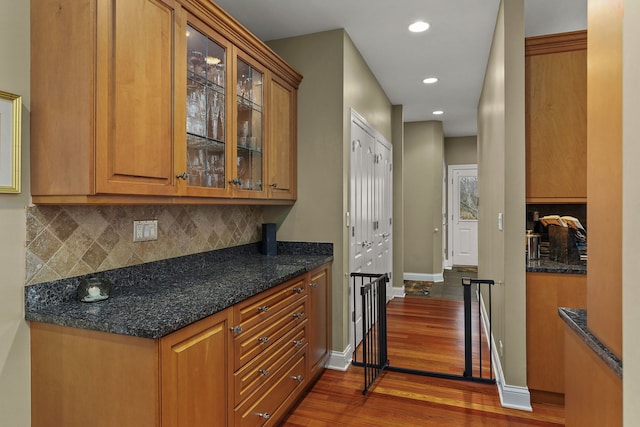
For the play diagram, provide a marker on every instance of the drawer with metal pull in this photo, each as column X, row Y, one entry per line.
column 265, row 407
column 255, row 310
column 250, row 343
column 259, row 370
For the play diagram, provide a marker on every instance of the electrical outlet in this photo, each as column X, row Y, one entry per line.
column 500, row 348
column 144, row 231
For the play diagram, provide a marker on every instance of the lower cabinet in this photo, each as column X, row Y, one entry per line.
column 195, row 373
column 319, row 319
column 244, row 366
column 546, row 292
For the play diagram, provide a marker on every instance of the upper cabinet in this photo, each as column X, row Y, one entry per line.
column 154, row 101
column 556, row 118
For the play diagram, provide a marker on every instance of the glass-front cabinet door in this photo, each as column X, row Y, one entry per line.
column 206, row 111
column 249, row 162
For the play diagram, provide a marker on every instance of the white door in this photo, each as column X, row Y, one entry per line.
column 384, row 207
column 370, row 210
column 361, row 216
column 463, row 203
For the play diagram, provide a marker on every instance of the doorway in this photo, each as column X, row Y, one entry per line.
column 463, row 215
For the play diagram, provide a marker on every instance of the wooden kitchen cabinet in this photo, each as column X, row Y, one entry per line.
column 103, row 113
column 149, row 102
column 282, row 151
column 546, row 292
column 85, row 378
column 196, row 373
column 556, row 118
column 320, row 319
column 244, row 366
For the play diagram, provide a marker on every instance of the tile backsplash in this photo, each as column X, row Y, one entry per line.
column 67, row 241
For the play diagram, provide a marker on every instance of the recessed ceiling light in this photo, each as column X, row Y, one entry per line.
column 419, row 26
column 430, row 80
column 438, row 112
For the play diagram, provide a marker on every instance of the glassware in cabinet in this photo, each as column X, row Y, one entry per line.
column 206, row 111
column 249, row 105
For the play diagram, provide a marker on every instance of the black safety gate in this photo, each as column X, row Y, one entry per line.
column 373, row 348
column 373, row 294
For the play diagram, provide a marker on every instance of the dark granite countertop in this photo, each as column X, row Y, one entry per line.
column 545, row 265
column 154, row 299
column 576, row 318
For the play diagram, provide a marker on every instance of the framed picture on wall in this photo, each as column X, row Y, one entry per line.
column 10, row 106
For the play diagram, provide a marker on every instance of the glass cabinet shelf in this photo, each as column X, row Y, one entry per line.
column 249, row 105
column 206, row 94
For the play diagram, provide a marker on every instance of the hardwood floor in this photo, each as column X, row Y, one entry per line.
column 399, row 399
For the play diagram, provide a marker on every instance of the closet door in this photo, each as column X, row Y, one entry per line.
column 383, row 207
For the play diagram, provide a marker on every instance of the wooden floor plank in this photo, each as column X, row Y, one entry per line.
column 399, row 399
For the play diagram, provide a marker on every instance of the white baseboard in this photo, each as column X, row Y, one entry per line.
column 340, row 361
column 513, row 397
column 424, row 277
column 397, row 292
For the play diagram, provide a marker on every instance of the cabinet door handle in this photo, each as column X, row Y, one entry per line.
column 274, row 185
column 264, row 371
column 298, row 315
column 313, row 285
column 263, row 308
column 236, row 329
column 263, row 340
column 235, row 181
column 183, row 175
column 266, row 415
column 297, row 378
column 297, row 342
column 297, row 290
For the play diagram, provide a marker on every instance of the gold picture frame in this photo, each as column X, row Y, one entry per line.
column 10, row 144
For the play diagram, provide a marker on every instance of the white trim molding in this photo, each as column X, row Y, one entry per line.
column 397, row 292
column 511, row 396
column 340, row 361
column 423, row 277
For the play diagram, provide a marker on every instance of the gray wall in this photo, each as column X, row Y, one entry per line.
column 501, row 189
column 631, row 207
column 14, row 331
column 398, row 195
column 423, row 156
column 336, row 78
column 461, row 150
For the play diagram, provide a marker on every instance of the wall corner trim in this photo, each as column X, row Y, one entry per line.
column 511, row 396
column 340, row 361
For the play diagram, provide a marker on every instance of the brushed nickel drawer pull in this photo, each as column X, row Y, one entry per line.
column 297, row 342
column 297, row 290
column 266, row 415
column 183, row 175
column 264, row 371
column 298, row 315
column 297, row 378
column 313, row 285
column 236, row 329
column 263, row 340
column 263, row 308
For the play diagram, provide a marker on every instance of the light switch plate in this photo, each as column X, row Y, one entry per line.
column 500, row 221
column 144, row 231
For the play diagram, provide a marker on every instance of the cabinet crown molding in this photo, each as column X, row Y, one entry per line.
column 555, row 43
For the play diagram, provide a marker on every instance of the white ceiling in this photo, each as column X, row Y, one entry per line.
column 454, row 49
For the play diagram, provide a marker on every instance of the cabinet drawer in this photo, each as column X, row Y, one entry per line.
column 265, row 406
column 254, row 310
column 259, row 370
column 250, row 343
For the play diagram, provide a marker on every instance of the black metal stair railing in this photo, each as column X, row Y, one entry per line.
column 373, row 295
